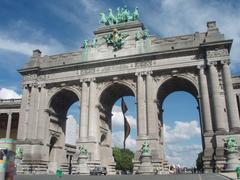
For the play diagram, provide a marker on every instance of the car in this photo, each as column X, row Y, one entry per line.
column 98, row 171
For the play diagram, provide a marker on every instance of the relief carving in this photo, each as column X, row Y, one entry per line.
column 143, row 64
column 87, row 71
column 217, row 53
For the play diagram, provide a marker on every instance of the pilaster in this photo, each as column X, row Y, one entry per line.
column 204, row 103
column 218, row 110
column 141, row 107
column 231, row 104
column 93, row 121
column 152, row 125
column 83, row 132
column 24, row 113
column 9, row 123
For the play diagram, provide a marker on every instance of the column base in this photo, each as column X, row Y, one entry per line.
column 208, row 134
column 82, row 140
column 221, row 131
column 235, row 130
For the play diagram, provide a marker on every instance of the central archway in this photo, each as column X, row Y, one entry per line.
column 111, row 93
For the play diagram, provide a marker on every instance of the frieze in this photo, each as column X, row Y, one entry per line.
column 217, row 53
column 87, row 71
column 30, row 77
column 143, row 64
column 114, row 68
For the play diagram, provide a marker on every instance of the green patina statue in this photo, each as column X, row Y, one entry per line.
column 145, row 34
column 122, row 15
column 19, row 153
column 138, row 35
column 111, row 18
column 231, row 145
column 94, row 42
column 145, row 149
column 238, row 172
column 115, row 39
column 135, row 15
column 103, row 19
column 85, row 44
column 83, row 150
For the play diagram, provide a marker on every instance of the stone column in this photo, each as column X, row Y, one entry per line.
column 218, row 112
column 205, row 105
column 84, row 112
column 24, row 112
column 238, row 102
column 231, row 104
column 43, row 122
column 9, row 124
column 92, row 128
column 141, row 110
column 33, row 112
column 152, row 125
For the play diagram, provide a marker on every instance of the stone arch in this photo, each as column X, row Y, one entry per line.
column 107, row 98
column 176, row 83
column 169, row 85
column 57, row 90
column 124, row 82
column 58, row 106
column 123, row 85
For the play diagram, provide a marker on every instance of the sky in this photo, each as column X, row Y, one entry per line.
column 59, row 26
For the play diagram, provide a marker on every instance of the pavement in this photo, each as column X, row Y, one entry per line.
column 126, row 177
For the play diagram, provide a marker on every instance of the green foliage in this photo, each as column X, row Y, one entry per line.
column 199, row 161
column 123, row 159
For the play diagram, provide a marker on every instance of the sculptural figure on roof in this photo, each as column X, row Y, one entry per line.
column 103, row 19
column 111, row 18
column 122, row 15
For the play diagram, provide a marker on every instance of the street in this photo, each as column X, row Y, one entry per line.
column 126, row 177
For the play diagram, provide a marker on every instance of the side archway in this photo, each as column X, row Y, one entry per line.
column 189, row 90
column 58, row 107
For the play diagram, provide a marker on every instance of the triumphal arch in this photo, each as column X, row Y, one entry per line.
column 123, row 59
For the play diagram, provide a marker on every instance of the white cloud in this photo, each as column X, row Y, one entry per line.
column 176, row 149
column 181, row 131
column 117, row 118
column 117, row 140
column 183, row 155
column 8, row 94
column 24, row 47
column 72, row 129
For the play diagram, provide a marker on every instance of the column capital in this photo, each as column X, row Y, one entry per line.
column 225, row 62
column 87, row 80
column 142, row 73
column 149, row 72
column 200, row 67
column 212, row 63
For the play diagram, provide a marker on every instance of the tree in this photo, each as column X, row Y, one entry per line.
column 123, row 159
column 199, row 161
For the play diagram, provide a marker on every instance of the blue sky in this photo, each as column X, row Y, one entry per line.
column 58, row 26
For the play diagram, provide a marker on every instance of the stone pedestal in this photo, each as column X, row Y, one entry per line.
column 232, row 162
column 82, row 166
column 18, row 166
column 146, row 167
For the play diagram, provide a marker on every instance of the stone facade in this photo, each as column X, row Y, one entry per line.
column 148, row 69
